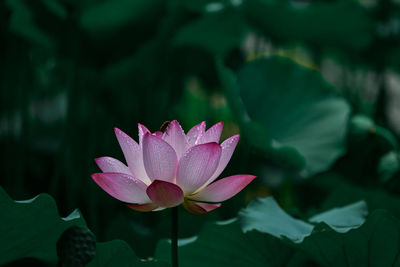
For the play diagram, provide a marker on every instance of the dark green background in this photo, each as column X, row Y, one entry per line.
column 70, row 71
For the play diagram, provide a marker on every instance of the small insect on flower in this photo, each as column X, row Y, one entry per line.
column 170, row 167
column 164, row 126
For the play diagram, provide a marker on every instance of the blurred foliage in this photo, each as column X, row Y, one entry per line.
column 323, row 247
column 389, row 166
column 266, row 216
column 310, row 131
column 231, row 248
column 31, row 228
column 310, row 85
column 362, row 246
column 20, row 239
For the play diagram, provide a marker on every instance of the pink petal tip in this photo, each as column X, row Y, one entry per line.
column 108, row 164
column 223, row 189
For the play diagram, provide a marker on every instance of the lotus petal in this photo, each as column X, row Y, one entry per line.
column 197, row 165
column 223, row 189
column 212, row 135
column 142, row 130
column 228, row 147
column 175, row 136
column 108, row 164
column 133, row 155
column 194, row 134
column 122, row 186
column 159, row 158
column 165, row 194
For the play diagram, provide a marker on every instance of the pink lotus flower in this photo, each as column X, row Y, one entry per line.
column 167, row 169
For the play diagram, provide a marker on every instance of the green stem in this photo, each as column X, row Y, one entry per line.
column 174, row 237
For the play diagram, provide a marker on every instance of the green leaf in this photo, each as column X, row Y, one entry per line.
column 108, row 16
column 289, row 112
column 361, row 126
column 217, row 33
column 375, row 243
column 22, row 23
column 226, row 245
column 118, row 253
column 316, row 23
column 388, row 166
column 56, row 7
column 388, row 136
column 338, row 192
column 32, row 227
column 372, row 242
column 266, row 216
column 209, row 6
column 344, row 218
